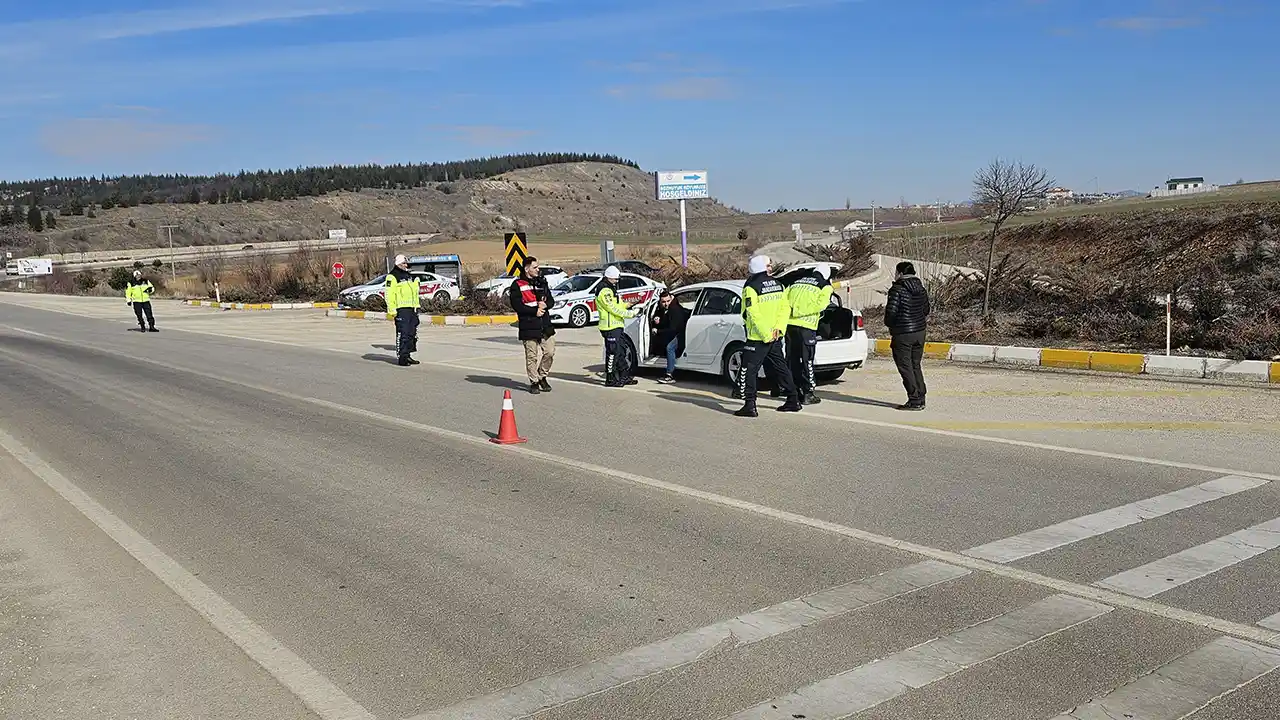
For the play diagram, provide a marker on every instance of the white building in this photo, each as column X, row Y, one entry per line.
column 1183, row 186
column 1058, row 196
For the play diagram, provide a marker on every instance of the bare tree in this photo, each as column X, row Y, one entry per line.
column 1000, row 191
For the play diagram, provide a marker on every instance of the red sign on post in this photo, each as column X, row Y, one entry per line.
column 338, row 271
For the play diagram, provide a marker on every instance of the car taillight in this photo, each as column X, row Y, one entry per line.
column 857, row 322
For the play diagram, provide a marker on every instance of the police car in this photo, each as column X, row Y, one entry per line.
column 715, row 335
column 575, row 298
column 496, row 286
column 433, row 288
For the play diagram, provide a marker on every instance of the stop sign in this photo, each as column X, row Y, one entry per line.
column 338, row 270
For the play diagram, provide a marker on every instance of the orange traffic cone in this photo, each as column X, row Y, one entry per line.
column 507, row 434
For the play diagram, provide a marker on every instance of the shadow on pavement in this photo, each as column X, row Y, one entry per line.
column 375, row 346
column 389, row 359
column 698, row 400
column 498, row 382
column 854, row 400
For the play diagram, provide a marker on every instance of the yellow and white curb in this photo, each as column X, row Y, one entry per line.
column 428, row 319
column 1174, row 366
column 261, row 306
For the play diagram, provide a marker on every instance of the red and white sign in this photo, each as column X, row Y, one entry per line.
column 338, row 271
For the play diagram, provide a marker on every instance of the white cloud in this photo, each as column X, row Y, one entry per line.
column 97, row 138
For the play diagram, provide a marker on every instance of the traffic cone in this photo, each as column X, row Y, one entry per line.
column 507, row 434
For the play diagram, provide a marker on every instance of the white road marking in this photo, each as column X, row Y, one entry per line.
column 869, row 685
column 1098, row 594
column 317, row 692
column 1272, row 623
column 1194, row 563
column 1071, row 531
column 598, row 676
column 30, row 332
column 1184, row 686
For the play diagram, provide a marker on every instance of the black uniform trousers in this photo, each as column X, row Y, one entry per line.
column 769, row 355
column 617, row 370
column 406, row 332
column 802, row 345
column 144, row 308
column 908, row 352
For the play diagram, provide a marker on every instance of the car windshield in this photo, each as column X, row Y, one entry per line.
column 577, row 283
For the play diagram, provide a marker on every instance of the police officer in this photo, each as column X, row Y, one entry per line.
column 138, row 294
column 765, row 313
column 808, row 296
column 402, row 300
column 612, row 314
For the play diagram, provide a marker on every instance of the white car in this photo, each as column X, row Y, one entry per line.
column 499, row 285
column 575, row 298
column 435, row 288
column 715, row 334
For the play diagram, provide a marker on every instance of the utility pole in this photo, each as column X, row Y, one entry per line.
column 873, row 216
column 173, row 270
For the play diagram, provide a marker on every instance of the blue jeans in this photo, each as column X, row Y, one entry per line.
column 671, row 355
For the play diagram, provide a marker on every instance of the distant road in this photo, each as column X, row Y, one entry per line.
column 100, row 259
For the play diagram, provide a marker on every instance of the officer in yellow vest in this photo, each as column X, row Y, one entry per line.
column 612, row 314
column 138, row 294
column 402, row 301
column 765, row 313
column 809, row 295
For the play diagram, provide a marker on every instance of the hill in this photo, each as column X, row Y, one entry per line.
column 559, row 199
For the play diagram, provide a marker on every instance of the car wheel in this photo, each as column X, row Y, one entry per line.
column 828, row 376
column 579, row 317
column 732, row 364
column 629, row 364
column 442, row 298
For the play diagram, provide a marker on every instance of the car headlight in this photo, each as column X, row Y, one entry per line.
column 559, row 304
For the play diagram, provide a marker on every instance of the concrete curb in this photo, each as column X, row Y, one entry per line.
column 427, row 319
column 260, row 306
column 1242, row 371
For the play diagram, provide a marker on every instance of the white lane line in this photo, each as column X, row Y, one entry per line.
column 1184, row 686
column 1194, row 563
column 25, row 331
column 1226, row 627
column 317, row 692
column 1272, row 623
column 1071, row 531
column 877, row 682
column 627, row 667
column 806, row 414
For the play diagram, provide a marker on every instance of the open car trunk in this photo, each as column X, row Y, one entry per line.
column 836, row 323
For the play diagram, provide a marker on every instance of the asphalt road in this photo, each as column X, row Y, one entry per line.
column 259, row 516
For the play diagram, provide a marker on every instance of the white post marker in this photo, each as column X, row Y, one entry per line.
column 217, row 292
column 682, row 185
column 1168, row 323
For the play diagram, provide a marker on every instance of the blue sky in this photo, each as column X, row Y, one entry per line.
column 802, row 103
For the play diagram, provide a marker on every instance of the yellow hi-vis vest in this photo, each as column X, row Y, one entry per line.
column 764, row 307
column 808, row 297
column 139, row 291
column 401, row 293
column 612, row 311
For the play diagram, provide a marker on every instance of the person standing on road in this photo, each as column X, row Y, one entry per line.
column 765, row 313
column 808, row 297
column 403, row 301
column 612, row 314
column 669, row 321
column 138, row 294
column 531, row 298
column 906, row 313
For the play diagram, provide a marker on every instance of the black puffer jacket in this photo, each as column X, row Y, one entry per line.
column 907, row 310
column 530, row 326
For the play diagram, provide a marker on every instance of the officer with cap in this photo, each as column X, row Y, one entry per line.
column 765, row 313
column 809, row 295
column 138, row 294
column 613, row 312
column 402, row 301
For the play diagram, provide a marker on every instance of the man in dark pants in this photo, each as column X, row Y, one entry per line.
column 613, row 315
column 402, row 302
column 765, row 313
column 138, row 294
column 906, row 314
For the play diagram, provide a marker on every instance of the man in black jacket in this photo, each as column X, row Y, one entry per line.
column 531, row 298
column 906, row 314
column 669, row 322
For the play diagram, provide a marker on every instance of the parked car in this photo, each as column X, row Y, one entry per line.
column 715, row 334
column 576, row 297
column 434, row 288
column 499, row 285
column 628, row 266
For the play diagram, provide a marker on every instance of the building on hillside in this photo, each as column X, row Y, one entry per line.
column 1183, row 186
column 1058, row 196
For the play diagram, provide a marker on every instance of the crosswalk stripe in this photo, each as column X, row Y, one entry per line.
column 1184, row 686
column 638, row 663
column 1071, row 531
column 867, row 686
column 1194, row 563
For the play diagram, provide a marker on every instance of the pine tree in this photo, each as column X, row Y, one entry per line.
column 213, row 196
column 6, row 216
column 194, row 196
column 35, row 220
column 50, row 221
